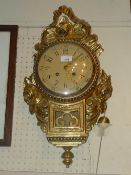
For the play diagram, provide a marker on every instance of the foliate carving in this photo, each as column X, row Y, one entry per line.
column 104, row 88
column 92, row 112
column 96, row 104
column 66, row 25
column 38, row 104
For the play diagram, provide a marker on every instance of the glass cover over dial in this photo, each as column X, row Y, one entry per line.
column 65, row 68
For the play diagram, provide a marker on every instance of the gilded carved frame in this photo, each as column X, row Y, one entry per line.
column 67, row 27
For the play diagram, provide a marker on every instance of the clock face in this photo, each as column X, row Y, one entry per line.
column 65, row 69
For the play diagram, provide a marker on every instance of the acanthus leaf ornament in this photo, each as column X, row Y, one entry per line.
column 67, row 90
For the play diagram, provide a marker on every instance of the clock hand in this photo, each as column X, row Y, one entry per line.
column 69, row 64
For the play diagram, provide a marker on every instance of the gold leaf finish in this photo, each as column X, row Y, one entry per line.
column 67, row 156
column 96, row 104
column 67, row 121
column 67, row 26
column 38, row 104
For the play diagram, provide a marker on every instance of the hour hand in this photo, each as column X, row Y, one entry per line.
column 68, row 65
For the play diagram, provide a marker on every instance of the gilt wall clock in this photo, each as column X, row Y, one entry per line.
column 67, row 89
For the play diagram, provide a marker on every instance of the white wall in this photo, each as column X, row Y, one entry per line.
column 111, row 21
column 116, row 147
column 39, row 13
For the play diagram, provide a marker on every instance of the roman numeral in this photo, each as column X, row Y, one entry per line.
column 65, row 85
column 81, row 59
column 46, row 67
column 81, row 54
column 56, row 53
column 65, row 51
column 49, row 59
column 41, row 68
column 56, row 82
column 82, row 76
column 75, row 53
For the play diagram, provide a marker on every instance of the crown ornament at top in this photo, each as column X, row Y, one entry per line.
column 66, row 25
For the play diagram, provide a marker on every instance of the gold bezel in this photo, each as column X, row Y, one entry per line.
column 84, row 92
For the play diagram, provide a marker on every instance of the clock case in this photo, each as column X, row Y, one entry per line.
column 68, row 120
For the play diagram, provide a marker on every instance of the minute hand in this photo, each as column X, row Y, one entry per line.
column 72, row 62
